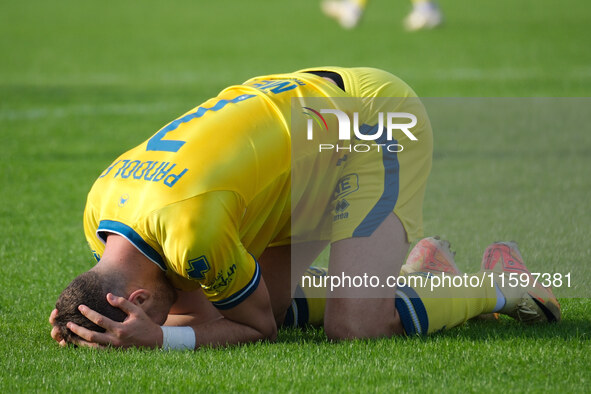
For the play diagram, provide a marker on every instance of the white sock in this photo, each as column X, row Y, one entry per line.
column 424, row 6
column 500, row 299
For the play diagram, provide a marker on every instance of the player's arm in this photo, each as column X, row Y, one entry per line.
column 191, row 308
column 205, row 247
column 214, row 327
column 251, row 320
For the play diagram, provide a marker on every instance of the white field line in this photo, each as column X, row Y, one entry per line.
column 84, row 109
column 498, row 74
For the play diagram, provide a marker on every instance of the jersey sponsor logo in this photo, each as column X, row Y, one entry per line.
column 149, row 170
column 123, row 199
column 342, row 205
column 340, row 210
column 223, row 278
column 197, row 268
column 346, row 185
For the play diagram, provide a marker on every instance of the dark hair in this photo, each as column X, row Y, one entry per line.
column 90, row 289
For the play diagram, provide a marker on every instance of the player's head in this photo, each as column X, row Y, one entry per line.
column 91, row 289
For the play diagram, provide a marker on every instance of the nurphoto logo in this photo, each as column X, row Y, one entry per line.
column 382, row 133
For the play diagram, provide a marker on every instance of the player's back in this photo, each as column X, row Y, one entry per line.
column 238, row 141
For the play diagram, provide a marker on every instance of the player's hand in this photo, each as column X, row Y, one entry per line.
column 136, row 330
column 55, row 334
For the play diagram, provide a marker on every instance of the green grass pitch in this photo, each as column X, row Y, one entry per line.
column 82, row 81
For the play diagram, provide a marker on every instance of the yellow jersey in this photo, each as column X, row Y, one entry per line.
column 204, row 196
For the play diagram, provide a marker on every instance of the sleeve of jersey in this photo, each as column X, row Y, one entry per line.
column 201, row 242
column 90, row 223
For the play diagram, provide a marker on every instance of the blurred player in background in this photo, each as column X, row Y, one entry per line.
column 425, row 14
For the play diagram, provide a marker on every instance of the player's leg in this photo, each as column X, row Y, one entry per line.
column 444, row 303
column 377, row 210
column 425, row 14
column 309, row 300
column 347, row 12
column 528, row 300
column 276, row 268
column 430, row 255
column 364, row 312
column 433, row 255
column 419, row 308
column 443, row 306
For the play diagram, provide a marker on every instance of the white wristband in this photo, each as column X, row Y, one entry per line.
column 178, row 338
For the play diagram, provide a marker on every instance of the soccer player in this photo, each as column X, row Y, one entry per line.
column 210, row 223
column 425, row 14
